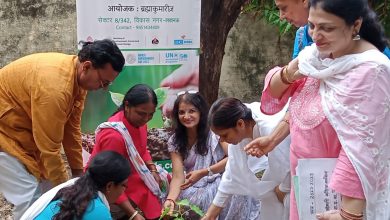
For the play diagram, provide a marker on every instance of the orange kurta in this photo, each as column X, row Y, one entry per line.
column 40, row 111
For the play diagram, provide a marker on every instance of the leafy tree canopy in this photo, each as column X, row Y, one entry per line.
column 266, row 9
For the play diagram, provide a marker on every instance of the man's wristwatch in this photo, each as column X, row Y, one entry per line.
column 210, row 172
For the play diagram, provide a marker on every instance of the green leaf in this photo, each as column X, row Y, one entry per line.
column 117, row 98
column 197, row 210
column 162, row 94
column 164, row 213
column 184, row 202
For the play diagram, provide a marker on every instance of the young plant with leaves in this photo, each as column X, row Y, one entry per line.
column 182, row 211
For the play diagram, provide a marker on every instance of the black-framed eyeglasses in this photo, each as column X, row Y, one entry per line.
column 103, row 83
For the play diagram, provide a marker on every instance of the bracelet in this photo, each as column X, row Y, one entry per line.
column 350, row 216
column 210, row 172
column 151, row 164
column 173, row 201
column 133, row 215
column 286, row 120
column 153, row 171
column 283, row 76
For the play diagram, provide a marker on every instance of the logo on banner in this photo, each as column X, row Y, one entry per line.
column 131, row 58
column 155, row 41
column 182, row 41
column 174, row 57
column 144, row 58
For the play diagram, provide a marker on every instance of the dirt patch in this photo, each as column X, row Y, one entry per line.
column 5, row 209
column 157, row 143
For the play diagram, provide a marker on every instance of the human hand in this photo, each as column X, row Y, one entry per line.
column 170, row 205
column 208, row 217
column 260, row 146
column 77, row 172
column 157, row 178
column 279, row 194
column 293, row 70
column 191, row 178
column 329, row 215
column 186, row 77
column 212, row 212
column 138, row 217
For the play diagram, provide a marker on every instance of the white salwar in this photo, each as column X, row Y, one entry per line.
column 239, row 179
column 18, row 186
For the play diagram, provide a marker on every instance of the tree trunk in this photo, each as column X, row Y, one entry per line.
column 217, row 18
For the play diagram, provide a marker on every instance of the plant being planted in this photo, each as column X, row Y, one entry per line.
column 183, row 210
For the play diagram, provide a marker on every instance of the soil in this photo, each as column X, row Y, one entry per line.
column 157, row 143
column 5, row 209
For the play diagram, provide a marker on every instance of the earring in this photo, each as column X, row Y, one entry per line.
column 356, row 37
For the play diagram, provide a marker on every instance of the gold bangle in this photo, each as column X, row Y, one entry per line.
column 349, row 215
column 288, row 75
column 283, row 76
column 133, row 215
column 286, row 120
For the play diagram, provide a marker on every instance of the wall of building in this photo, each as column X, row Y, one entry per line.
column 30, row 26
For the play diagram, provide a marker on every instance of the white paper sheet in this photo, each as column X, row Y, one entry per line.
column 313, row 194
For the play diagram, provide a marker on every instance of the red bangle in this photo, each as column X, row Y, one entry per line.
column 171, row 201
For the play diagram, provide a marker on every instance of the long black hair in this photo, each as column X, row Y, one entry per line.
column 101, row 52
column 202, row 131
column 138, row 94
column 350, row 11
column 225, row 113
column 105, row 167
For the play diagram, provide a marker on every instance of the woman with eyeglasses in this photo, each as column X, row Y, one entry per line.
column 126, row 133
column 87, row 197
column 198, row 159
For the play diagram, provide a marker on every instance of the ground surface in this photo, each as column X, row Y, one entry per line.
column 5, row 209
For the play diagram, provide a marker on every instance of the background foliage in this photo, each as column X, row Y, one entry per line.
column 266, row 9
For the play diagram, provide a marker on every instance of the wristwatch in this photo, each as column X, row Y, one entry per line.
column 210, row 172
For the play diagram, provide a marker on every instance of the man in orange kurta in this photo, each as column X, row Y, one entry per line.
column 41, row 101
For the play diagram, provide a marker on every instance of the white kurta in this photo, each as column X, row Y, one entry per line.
column 239, row 179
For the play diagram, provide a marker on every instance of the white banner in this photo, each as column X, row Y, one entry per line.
column 160, row 40
column 141, row 24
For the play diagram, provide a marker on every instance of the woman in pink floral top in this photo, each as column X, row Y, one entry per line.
column 340, row 105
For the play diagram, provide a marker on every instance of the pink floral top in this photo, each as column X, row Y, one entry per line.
column 312, row 136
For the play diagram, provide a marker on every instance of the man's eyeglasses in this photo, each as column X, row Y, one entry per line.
column 103, row 83
column 186, row 92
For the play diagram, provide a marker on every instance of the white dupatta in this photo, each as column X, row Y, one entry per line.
column 355, row 97
column 138, row 162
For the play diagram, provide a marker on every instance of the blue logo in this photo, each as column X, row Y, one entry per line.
column 178, row 42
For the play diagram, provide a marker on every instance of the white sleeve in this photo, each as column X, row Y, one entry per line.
column 285, row 185
column 221, row 198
